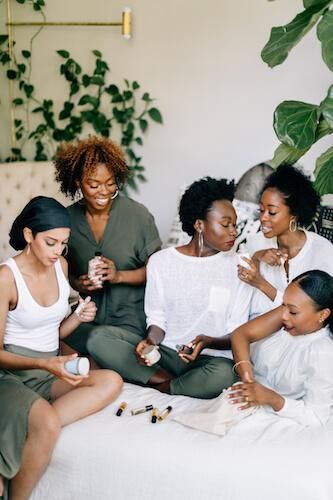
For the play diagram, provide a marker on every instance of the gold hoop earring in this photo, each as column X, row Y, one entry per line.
column 115, row 194
column 292, row 225
column 200, row 242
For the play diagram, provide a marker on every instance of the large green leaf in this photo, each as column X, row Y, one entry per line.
column 295, row 123
column 325, row 35
column 286, row 154
column 310, row 3
column 284, row 38
column 327, row 107
column 324, row 173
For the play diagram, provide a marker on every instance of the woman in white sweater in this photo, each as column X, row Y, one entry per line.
column 283, row 249
column 285, row 357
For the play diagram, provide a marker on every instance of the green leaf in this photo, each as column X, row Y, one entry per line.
column 310, row 3
column 286, row 154
column 327, row 107
column 74, row 88
column 86, row 80
column 22, row 67
column 325, row 35
column 21, row 1
column 284, row 38
column 28, row 89
column 97, row 53
column 88, row 99
column 63, row 53
column 127, row 94
column 112, row 90
column 135, row 86
column 66, row 111
column 18, row 101
column 155, row 115
column 117, row 98
column 11, row 74
column 97, row 80
column 3, row 39
column 324, row 173
column 323, row 129
column 138, row 140
column 26, row 53
column 146, row 97
column 142, row 178
column 143, row 124
column 295, row 123
column 127, row 82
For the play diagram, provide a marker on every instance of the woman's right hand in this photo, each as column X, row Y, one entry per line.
column 56, row 366
column 271, row 256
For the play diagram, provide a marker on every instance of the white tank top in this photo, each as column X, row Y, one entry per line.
column 31, row 325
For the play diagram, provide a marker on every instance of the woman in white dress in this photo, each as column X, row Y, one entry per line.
column 285, row 357
column 283, row 249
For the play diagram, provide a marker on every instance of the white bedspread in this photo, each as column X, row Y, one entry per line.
column 127, row 458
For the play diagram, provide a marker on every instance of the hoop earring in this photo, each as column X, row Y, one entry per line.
column 115, row 194
column 65, row 251
column 28, row 249
column 292, row 225
column 200, row 242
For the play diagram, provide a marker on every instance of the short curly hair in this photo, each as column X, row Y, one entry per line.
column 199, row 197
column 297, row 190
column 75, row 159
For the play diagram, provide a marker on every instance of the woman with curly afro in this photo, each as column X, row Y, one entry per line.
column 191, row 289
column 119, row 228
column 284, row 249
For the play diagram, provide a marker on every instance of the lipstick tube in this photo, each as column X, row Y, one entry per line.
column 165, row 413
column 121, row 408
column 154, row 415
column 137, row 411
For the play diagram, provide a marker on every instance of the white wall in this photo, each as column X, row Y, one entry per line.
column 201, row 60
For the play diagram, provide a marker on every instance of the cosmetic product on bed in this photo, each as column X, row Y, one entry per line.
column 154, row 415
column 78, row 366
column 121, row 408
column 137, row 411
column 164, row 413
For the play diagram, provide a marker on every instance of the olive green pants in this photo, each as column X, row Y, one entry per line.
column 206, row 377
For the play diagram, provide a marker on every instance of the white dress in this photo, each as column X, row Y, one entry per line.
column 187, row 296
column 299, row 368
column 317, row 253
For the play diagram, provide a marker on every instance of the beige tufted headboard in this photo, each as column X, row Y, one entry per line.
column 21, row 181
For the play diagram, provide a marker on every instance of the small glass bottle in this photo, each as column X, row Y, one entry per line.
column 96, row 279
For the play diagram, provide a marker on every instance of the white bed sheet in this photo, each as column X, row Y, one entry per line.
column 127, row 458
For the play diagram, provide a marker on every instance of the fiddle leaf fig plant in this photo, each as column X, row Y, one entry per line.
column 298, row 125
column 92, row 104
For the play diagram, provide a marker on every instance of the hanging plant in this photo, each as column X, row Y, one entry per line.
column 92, row 104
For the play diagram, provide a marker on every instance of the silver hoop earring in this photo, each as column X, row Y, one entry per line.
column 292, row 225
column 200, row 243
column 115, row 194
column 65, row 251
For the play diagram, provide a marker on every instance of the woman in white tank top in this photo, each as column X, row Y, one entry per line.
column 34, row 384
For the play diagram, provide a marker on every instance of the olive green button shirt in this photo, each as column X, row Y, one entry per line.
column 130, row 237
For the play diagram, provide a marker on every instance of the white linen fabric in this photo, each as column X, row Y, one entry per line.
column 31, row 325
column 317, row 253
column 299, row 368
column 218, row 416
column 116, row 458
column 187, row 296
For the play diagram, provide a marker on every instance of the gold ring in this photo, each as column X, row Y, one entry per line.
column 247, row 399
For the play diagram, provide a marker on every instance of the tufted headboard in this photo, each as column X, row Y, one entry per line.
column 21, row 181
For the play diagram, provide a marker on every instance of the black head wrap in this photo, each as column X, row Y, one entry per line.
column 40, row 214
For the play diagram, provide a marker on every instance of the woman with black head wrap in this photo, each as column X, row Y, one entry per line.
column 34, row 383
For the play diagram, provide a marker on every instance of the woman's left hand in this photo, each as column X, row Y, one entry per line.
column 88, row 311
column 251, row 394
column 108, row 270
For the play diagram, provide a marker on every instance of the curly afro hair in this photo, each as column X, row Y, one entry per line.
column 199, row 198
column 75, row 159
column 297, row 190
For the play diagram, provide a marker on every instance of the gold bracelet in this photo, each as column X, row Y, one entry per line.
column 239, row 363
